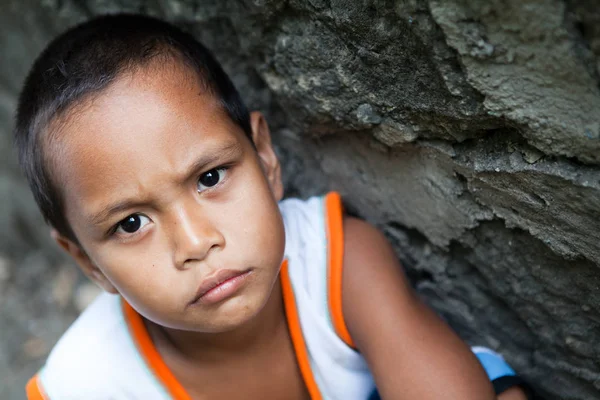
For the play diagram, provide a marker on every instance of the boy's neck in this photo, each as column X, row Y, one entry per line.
column 208, row 347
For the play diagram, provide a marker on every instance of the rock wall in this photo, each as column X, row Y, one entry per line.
column 468, row 131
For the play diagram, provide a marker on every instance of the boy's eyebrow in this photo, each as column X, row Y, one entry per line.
column 225, row 151
column 111, row 209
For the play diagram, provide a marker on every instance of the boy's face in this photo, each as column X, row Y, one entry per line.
column 165, row 192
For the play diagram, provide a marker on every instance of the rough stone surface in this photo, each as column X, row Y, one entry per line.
column 468, row 131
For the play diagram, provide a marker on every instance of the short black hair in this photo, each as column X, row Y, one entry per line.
column 82, row 62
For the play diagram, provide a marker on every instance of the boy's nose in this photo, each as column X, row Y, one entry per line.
column 194, row 236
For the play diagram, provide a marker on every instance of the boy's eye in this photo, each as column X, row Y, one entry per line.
column 210, row 178
column 132, row 223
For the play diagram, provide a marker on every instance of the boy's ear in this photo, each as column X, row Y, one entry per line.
column 261, row 136
column 83, row 261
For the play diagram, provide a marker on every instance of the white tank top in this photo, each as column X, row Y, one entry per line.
column 108, row 354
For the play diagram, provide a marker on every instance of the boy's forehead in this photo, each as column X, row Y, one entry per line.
column 148, row 122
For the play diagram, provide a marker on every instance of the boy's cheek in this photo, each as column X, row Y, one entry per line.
column 124, row 266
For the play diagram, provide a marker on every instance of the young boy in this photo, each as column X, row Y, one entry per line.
column 166, row 192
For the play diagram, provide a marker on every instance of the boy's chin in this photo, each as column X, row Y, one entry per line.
column 230, row 316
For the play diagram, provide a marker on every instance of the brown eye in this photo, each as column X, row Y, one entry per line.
column 210, row 178
column 132, row 223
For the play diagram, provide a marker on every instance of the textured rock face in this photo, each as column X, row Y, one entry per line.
column 468, row 131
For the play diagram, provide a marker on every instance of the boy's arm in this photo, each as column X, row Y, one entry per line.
column 411, row 352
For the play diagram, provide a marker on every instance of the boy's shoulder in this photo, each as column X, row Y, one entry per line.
column 96, row 357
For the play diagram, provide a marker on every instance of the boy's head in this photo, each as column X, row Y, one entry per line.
column 80, row 64
column 158, row 182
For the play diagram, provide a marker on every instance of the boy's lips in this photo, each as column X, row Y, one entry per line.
column 220, row 285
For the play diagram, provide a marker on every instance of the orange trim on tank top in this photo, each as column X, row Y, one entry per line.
column 143, row 341
column 295, row 329
column 335, row 240
column 34, row 389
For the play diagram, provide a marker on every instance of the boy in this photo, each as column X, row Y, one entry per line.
column 165, row 191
